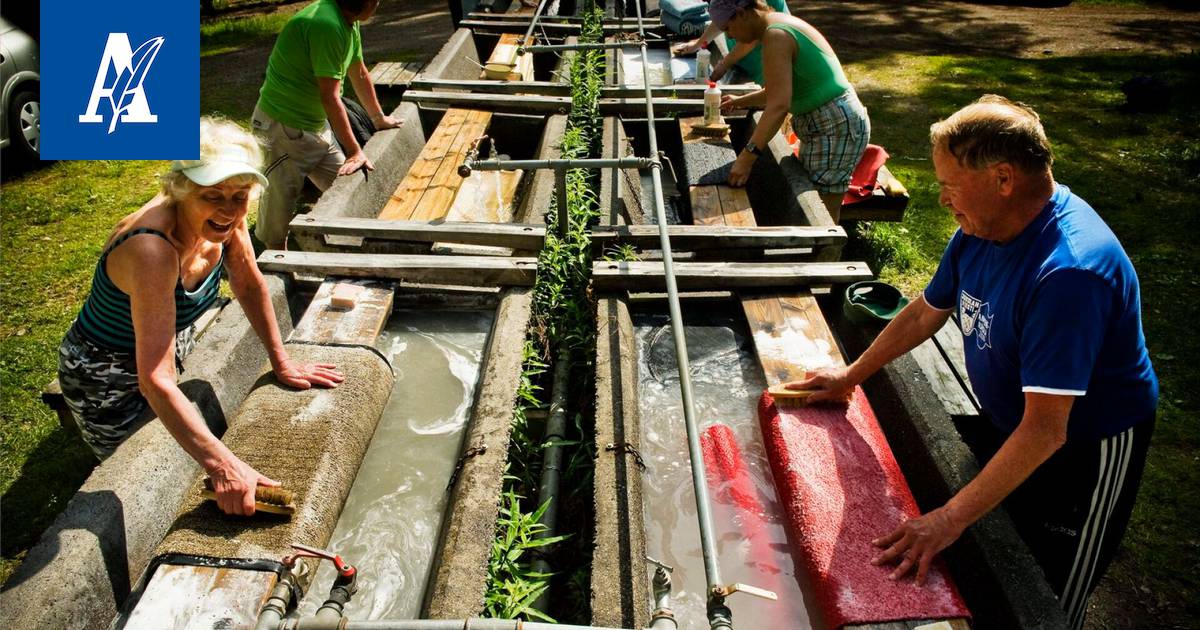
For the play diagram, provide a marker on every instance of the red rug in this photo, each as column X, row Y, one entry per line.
column 840, row 488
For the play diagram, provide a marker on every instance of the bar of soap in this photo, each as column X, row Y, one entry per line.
column 345, row 295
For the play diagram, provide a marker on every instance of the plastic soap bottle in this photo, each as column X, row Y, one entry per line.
column 703, row 59
column 712, row 104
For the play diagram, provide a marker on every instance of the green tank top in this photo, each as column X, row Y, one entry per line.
column 316, row 42
column 817, row 76
column 751, row 64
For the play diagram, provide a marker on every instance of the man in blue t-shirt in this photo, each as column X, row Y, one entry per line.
column 1050, row 312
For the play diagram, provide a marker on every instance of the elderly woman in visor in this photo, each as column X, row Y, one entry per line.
column 159, row 271
column 801, row 75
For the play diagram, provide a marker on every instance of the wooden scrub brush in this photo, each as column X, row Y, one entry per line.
column 719, row 129
column 266, row 499
column 798, row 397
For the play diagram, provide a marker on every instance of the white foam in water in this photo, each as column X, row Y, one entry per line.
column 726, row 383
column 392, row 518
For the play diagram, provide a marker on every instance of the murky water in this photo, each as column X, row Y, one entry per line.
column 392, row 518
column 752, row 544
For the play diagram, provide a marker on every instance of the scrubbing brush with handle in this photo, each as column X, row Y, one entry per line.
column 266, row 499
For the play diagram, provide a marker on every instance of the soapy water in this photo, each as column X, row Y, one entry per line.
column 726, row 384
column 392, row 519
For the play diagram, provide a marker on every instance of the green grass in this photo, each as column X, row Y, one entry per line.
column 1142, row 174
column 228, row 34
column 53, row 223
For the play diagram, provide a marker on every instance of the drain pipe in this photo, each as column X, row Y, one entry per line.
column 552, row 456
column 719, row 615
column 285, row 593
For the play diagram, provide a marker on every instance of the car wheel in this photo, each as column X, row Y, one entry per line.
column 25, row 116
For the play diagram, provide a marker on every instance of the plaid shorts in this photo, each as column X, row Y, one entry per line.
column 833, row 138
column 100, row 387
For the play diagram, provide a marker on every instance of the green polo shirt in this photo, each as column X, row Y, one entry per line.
column 316, row 42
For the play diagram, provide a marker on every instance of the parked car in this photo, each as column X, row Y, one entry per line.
column 20, row 123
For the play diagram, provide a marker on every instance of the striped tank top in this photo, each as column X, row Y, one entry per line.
column 105, row 318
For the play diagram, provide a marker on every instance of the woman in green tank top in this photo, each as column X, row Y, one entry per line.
column 158, row 272
column 801, row 76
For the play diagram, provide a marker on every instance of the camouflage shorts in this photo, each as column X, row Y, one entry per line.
column 100, row 387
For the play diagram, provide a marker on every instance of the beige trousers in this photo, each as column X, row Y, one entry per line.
column 292, row 155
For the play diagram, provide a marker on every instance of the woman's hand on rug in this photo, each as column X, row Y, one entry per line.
column 916, row 542
column 306, row 375
column 234, row 482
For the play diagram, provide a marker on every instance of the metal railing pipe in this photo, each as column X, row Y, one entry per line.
column 552, row 457
column 586, row 46
column 534, row 20
column 460, row 624
column 719, row 615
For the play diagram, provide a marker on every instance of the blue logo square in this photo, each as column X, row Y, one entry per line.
column 120, row 80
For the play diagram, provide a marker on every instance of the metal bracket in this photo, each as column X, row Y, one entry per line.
column 627, row 448
column 462, row 461
column 737, row 587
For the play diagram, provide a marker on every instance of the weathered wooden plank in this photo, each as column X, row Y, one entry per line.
column 790, row 335
column 485, row 196
column 942, row 379
column 485, row 271
column 639, row 275
column 735, row 205
column 324, row 324
column 410, row 189
column 504, row 55
column 530, row 236
column 706, row 206
column 446, row 182
column 186, row 596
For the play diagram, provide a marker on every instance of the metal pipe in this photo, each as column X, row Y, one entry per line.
column 468, row 165
column 662, row 618
column 533, row 21
column 587, row 46
column 719, row 615
column 552, row 456
column 460, row 624
column 283, row 595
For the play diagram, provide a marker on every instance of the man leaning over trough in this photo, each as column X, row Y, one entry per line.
column 1050, row 313
column 300, row 110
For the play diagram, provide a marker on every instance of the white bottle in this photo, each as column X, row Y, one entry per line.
column 712, row 104
column 703, row 69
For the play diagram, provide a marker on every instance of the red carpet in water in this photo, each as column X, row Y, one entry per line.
column 840, row 488
column 732, row 486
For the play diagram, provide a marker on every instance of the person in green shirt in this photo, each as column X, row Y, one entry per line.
column 746, row 55
column 300, row 110
column 801, row 76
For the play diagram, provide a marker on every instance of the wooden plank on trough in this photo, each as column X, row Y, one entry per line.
column 637, row 275
column 185, row 596
column 323, row 323
column 432, row 183
column 535, row 104
column 524, row 236
column 790, row 335
column 486, row 271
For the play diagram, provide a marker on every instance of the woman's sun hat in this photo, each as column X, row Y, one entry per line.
column 721, row 11
column 214, row 169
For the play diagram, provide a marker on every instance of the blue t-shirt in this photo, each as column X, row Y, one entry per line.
column 1057, row 310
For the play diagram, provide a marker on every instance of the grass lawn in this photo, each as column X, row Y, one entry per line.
column 1141, row 172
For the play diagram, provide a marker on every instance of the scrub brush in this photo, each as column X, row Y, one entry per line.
column 266, row 499
column 798, row 397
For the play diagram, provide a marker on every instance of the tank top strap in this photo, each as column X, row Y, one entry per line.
column 134, row 232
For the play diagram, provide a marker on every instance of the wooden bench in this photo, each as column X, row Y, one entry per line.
column 943, row 363
column 395, row 75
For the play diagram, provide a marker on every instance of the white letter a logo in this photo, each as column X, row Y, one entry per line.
column 124, row 94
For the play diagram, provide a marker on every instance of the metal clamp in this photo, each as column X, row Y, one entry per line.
column 462, row 461
column 627, row 448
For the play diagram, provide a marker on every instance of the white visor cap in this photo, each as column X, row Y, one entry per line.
column 230, row 162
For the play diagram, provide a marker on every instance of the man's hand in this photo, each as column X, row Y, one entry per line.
column 916, row 542
column 356, row 162
column 234, row 482
column 383, row 121
column 829, row 384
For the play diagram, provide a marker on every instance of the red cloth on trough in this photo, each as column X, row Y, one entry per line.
column 840, row 488
column 866, row 175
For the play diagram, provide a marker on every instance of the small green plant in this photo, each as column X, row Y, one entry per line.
column 514, row 585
